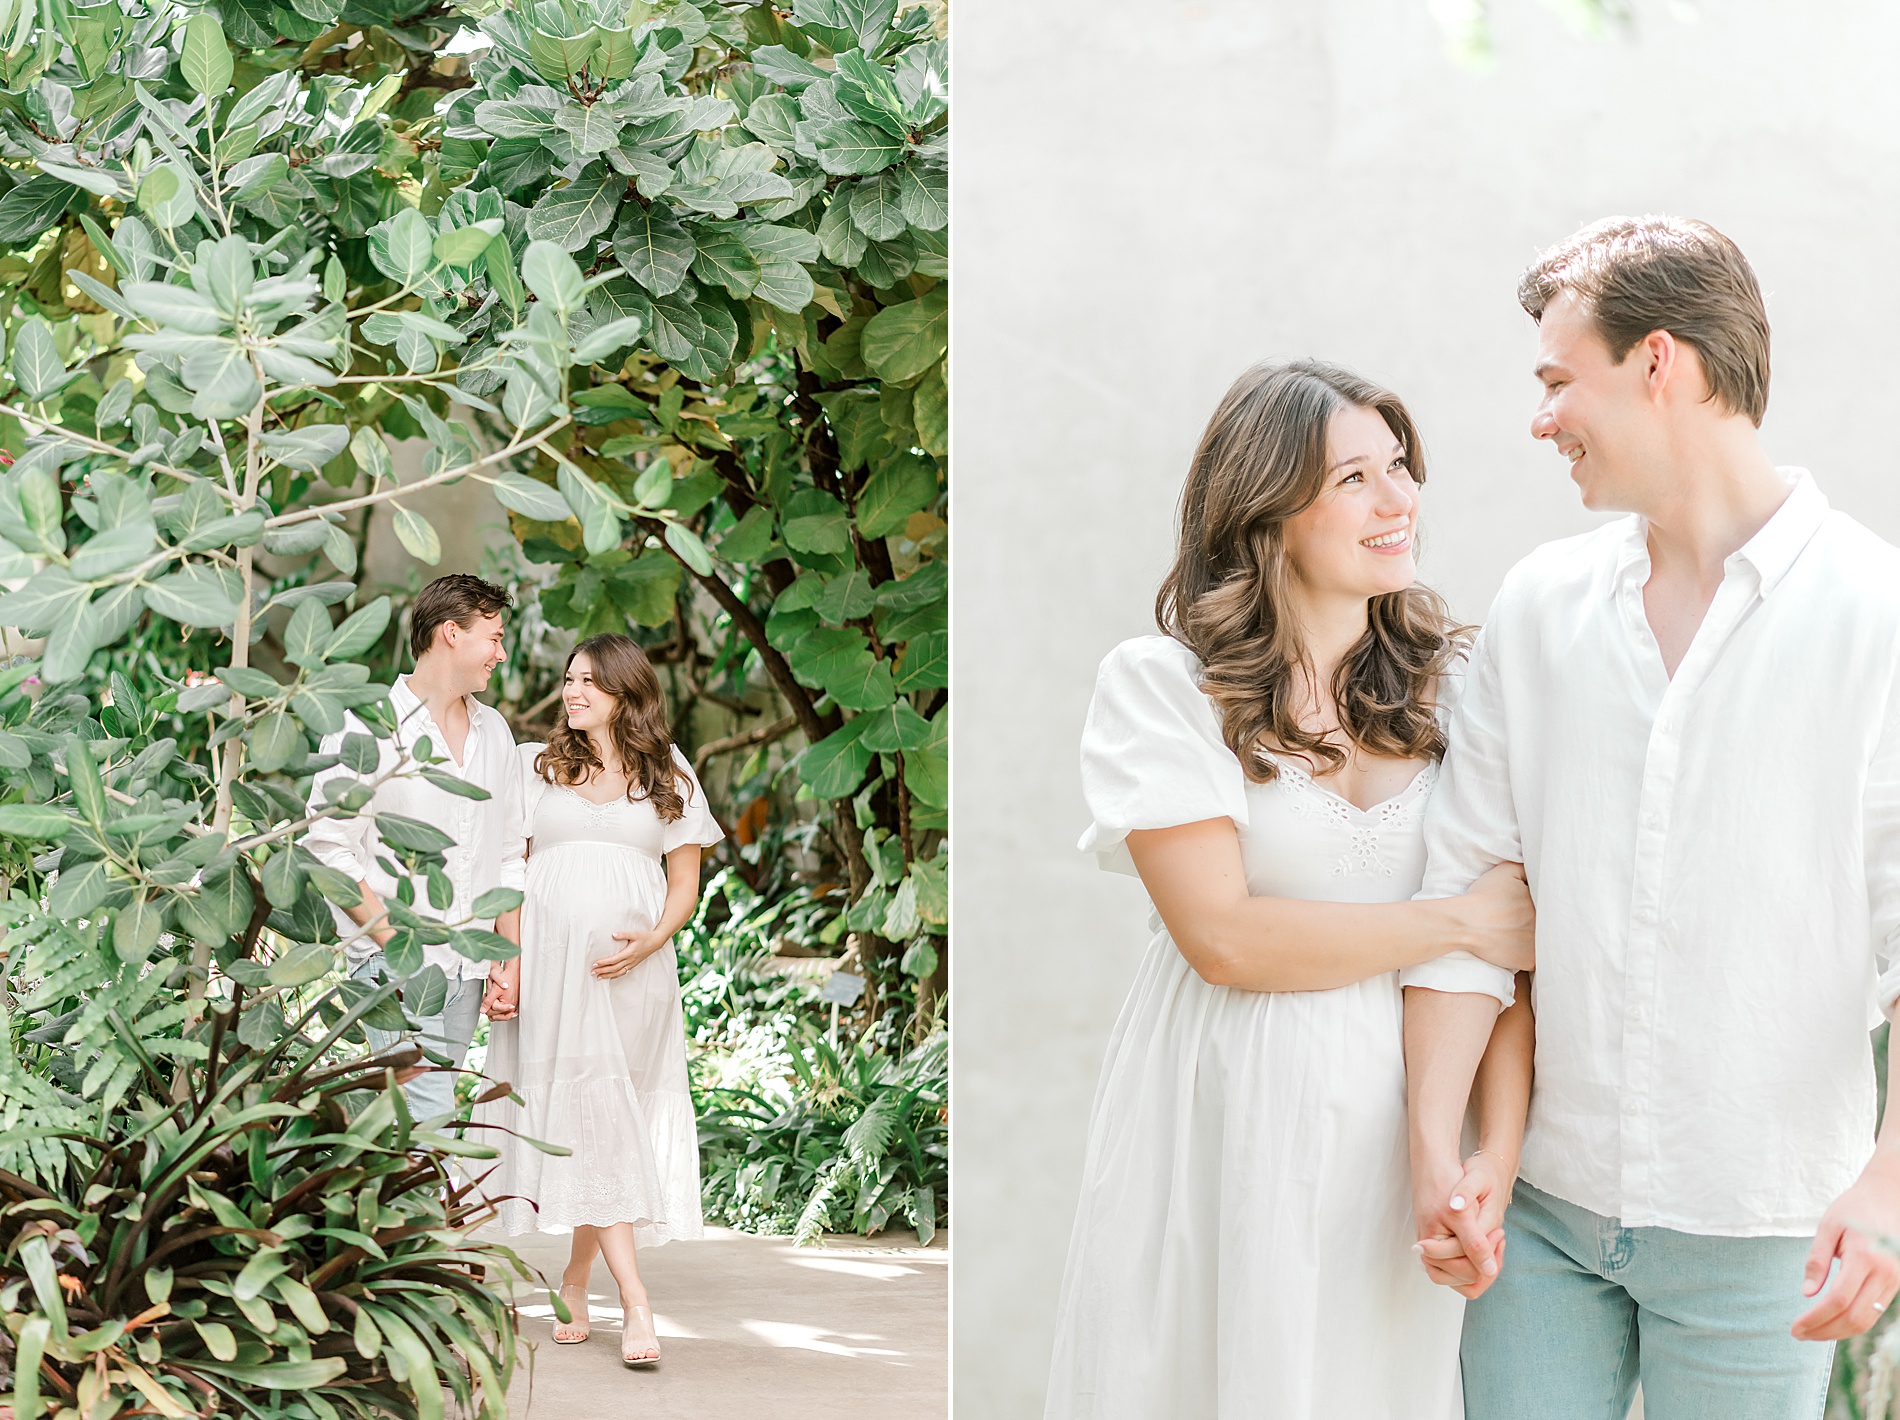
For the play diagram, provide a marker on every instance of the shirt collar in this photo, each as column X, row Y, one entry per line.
column 1771, row 551
column 411, row 708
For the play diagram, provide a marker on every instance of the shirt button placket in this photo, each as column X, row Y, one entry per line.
column 1639, row 1018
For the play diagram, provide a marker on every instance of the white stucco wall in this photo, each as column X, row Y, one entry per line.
column 1149, row 197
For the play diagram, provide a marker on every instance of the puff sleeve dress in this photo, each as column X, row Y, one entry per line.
column 1242, row 1250
column 599, row 1066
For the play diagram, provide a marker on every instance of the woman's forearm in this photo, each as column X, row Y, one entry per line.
column 1195, row 877
column 1292, row 944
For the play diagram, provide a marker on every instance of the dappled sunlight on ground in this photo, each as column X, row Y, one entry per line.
column 857, row 1328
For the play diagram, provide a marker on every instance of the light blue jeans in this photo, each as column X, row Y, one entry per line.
column 1585, row 1308
column 445, row 1035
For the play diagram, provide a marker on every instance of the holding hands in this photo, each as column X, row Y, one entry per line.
column 502, row 999
column 1459, row 1213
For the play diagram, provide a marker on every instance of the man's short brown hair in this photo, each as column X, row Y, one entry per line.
column 1637, row 275
column 457, row 597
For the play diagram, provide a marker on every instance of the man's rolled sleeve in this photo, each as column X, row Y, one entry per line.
column 1471, row 822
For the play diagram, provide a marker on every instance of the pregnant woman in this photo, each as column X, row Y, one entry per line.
column 1244, row 1246
column 596, row 1050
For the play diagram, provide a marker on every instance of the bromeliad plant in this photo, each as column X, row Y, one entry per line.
column 283, row 1240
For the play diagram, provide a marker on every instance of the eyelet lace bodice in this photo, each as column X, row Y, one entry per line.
column 1369, row 831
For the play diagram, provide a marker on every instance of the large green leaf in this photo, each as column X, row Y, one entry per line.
column 559, row 59
column 177, row 308
column 923, row 192
column 196, row 596
column 46, row 599
column 358, row 631
column 899, row 488
column 113, row 550
column 868, row 687
column 308, row 633
column 903, row 341
column 600, row 524
column 574, row 215
column 309, row 448
column 275, row 742
column 849, row 147
column 925, row 664
column 552, row 275
column 863, row 23
column 894, row 728
column 723, row 259
column 460, row 246
column 225, row 384
column 32, row 207
column 836, row 764
column 402, row 248
column 653, row 248
column 70, row 644
column 529, row 497
column 33, row 821
column 927, row 766
column 528, row 115
column 417, row 535
column 594, row 128
column 412, row 834
column 36, row 365
column 280, row 1375
column 876, row 207
column 206, row 60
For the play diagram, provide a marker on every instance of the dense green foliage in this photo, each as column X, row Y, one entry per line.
column 689, row 264
column 284, row 1226
column 776, row 227
column 802, row 1132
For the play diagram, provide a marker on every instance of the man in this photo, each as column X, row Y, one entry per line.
column 1686, row 725
column 455, row 634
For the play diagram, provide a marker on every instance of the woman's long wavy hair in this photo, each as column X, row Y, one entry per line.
column 1228, row 596
column 637, row 727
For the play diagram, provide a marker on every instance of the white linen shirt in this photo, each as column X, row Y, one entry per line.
column 488, row 833
column 1715, row 860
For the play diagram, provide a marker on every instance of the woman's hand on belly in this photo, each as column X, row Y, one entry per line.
column 635, row 948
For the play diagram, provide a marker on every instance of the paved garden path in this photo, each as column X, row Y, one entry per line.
column 855, row 1330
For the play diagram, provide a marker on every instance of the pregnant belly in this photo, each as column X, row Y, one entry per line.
column 588, row 891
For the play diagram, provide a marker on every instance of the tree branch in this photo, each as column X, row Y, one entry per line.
column 304, row 515
column 765, row 734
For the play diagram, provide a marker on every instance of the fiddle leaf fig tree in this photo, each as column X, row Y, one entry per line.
column 758, row 201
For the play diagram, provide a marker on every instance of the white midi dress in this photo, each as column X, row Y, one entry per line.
column 1243, row 1245
column 599, row 1066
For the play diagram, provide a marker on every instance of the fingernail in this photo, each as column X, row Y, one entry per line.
column 1457, row 1203
column 1491, row 1269
column 1418, row 1249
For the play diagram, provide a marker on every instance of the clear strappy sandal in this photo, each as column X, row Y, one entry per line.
column 570, row 1333
column 630, row 1339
